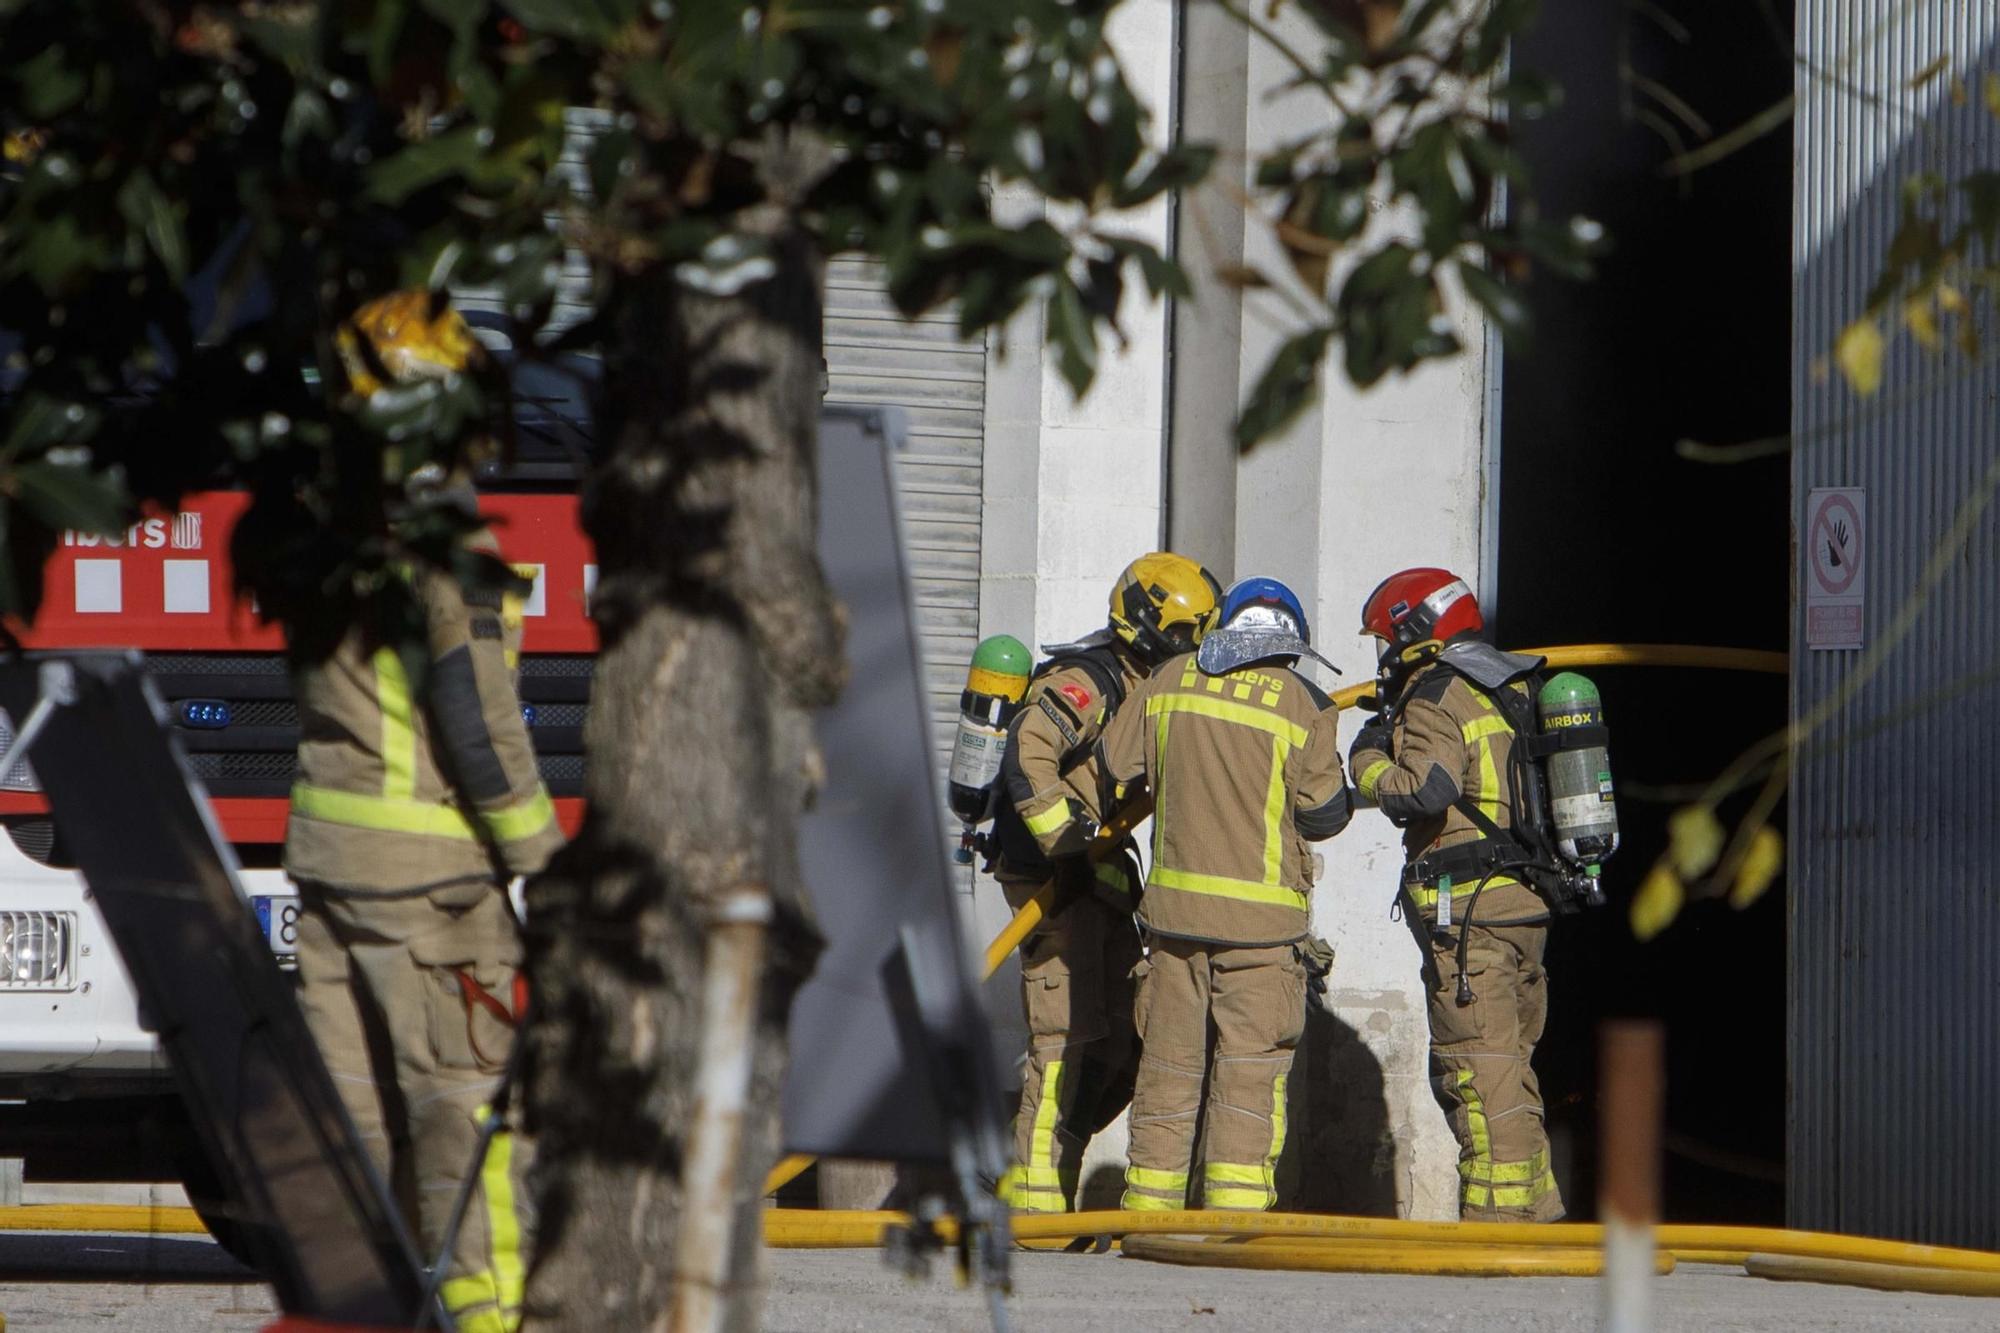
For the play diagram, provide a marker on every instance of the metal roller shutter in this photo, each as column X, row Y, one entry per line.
column 875, row 358
column 878, row 359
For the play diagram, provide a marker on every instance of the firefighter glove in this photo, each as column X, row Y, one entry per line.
column 1376, row 736
column 1317, row 955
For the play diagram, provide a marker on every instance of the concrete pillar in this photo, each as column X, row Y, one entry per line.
column 1362, row 484
column 1207, row 328
column 1073, row 490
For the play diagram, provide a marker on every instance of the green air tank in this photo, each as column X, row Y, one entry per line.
column 1582, row 805
column 994, row 686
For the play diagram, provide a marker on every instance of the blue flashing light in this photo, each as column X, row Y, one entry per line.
column 205, row 714
column 528, row 714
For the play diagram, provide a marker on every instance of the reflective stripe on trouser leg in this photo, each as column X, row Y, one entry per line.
column 1481, row 1054
column 1172, row 1014
column 1062, row 997
column 1035, row 1185
column 1258, row 1006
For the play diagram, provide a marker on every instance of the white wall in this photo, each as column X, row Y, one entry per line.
column 1072, row 489
column 1365, row 483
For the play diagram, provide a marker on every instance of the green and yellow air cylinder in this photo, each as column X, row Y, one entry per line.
column 994, row 686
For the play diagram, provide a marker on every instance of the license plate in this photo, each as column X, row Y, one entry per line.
column 278, row 914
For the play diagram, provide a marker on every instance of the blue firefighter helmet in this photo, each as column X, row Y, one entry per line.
column 1261, row 620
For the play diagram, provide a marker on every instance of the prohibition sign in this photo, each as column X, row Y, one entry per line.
column 1835, row 538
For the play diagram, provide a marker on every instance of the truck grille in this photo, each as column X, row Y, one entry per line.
column 37, row 951
column 273, row 771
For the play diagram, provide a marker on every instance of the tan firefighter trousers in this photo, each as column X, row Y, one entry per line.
column 1076, row 988
column 416, row 1055
column 1255, row 996
column 1480, row 1068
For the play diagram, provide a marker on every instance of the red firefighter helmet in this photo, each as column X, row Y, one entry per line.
column 1418, row 606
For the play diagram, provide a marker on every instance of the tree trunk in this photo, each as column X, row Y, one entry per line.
column 719, row 635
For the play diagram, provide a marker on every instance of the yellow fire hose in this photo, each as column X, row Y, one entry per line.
column 1330, row 1243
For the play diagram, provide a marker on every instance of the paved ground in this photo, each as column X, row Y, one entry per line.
column 60, row 1283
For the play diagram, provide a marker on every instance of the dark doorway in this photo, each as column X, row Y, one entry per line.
column 1608, row 534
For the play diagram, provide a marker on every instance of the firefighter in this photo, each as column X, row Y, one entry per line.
column 417, row 800
column 1243, row 758
column 1438, row 761
column 1076, row 966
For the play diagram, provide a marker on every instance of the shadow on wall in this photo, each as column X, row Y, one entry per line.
column 1340, row 1155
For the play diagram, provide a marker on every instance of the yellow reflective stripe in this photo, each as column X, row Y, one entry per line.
column 1153, row 1178
column 1489, row 782
column 1221, row 886
column 1507, row 1173
column 1510, row 1196
column 1277, row 1134
column 523, row 819
column 462, row 1294
column 399, row 729
column 1042, row 1137
column 1049, row 820
column 1225, row 710
column 1236, row 1197
column 1160, row 797
column 1481, row 727
column 1147, row 1203
column 1476, row 1129
column 471, row 1289
column 1232, row 1173
column 1274, row 814
column 1112, row 875
column 496, row 1180
column 1371, row 776
column 1427, row 894
column 1039, row 1177
column 424, row 818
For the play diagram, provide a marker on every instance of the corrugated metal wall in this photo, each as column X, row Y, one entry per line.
column 1895, row 806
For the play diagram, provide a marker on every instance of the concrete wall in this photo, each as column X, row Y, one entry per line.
column 1073, row 490
column 1362, row 485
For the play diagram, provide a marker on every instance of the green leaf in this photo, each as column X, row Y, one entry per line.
column 1073, row 335
column 577, row 20
column 1287, row 385
column 1163, row 276
column 401, row 174
column 149, row 211
column 461, row 16
column 64, row 495
column 1174, row 170
column 48, row 85
column 1982, row 202
column 1505, row 306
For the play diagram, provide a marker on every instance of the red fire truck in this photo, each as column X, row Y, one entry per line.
column 84, row 1090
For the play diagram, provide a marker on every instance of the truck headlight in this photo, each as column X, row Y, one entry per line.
column 36, row 949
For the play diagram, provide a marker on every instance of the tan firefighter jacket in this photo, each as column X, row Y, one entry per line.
column 1245, row 768
column 1050, row 774
column 407, row 785
column 1448, row 740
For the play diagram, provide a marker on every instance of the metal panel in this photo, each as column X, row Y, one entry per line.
column 875, row 358
column 1895, row 918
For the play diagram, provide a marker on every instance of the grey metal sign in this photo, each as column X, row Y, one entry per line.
column 313, row 1212
column 867, row 1079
